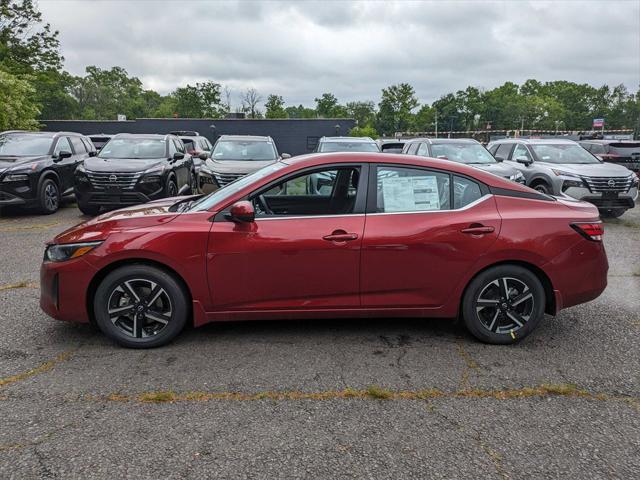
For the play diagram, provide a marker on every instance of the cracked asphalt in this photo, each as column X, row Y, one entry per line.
column 73, row 405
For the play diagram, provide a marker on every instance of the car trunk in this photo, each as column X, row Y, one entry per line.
column 624, row 153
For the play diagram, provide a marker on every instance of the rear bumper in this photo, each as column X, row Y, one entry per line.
column 63, row 289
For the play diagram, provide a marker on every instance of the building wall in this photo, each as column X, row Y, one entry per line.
column 293, row 136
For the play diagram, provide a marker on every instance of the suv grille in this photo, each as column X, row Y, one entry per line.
column 103, row 180
column 226, row 178
column 608, row 184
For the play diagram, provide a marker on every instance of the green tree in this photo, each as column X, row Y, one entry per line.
column 395, row 108
column 424, row 119
column 200, row 101
column 363, row 113
column 18, row 110
column 275, row 107
column 327, row 106
column 366, row 131
column 300, row 112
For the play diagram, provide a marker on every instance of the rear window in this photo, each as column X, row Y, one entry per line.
column 626, row 148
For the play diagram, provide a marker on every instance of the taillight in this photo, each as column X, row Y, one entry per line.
column 590, row 230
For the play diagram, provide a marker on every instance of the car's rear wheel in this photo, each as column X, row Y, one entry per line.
column 140, row 306
column 48, row 197
column 503, row 304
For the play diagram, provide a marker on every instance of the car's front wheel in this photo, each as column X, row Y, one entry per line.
column 193, row 183
column 140, row 306
column 171, row 188
column 503, row 304
column 543, row 188
column 48, row 197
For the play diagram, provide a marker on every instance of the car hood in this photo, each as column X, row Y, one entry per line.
column 237, row 166
column 122, row 165
column 499, row 169
column 9, row 161
column 130, row 218
column 592, row 169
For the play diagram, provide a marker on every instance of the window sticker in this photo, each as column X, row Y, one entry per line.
column 410, row 194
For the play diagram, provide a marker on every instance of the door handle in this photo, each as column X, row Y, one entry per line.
column 477, row 230
column 340, row 236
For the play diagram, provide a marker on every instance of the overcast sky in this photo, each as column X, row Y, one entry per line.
column 352, row 49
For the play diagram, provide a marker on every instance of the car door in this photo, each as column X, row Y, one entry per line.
column 309, row 259
column 181, row 166
column 65, row 167
column 422, row 235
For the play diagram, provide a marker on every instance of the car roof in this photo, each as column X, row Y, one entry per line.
column 539, row 141
column 158, row 136
column 254, row 138
column 347, row 139
column 44, row 134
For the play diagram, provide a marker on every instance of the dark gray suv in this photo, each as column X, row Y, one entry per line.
column 564, row 168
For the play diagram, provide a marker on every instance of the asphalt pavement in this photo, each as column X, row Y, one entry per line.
column 319, row 399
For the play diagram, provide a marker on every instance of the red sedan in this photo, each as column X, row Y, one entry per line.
column 331, row 236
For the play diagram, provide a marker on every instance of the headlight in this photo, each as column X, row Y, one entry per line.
column 516, row 177
column 16, row 177
column 572, row 176
column 67, row 251
column 634, row 180
column 153, row 175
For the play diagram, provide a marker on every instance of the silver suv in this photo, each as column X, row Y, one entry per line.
column 564, row 168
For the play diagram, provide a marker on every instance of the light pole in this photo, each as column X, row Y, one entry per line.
column 337, row 127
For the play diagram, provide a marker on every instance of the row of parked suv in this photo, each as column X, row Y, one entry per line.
column 109, row 171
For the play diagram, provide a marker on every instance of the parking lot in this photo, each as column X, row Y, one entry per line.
column 319, row 399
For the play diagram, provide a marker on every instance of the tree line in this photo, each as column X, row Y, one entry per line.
column 34, row 86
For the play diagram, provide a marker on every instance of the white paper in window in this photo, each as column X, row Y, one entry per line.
column 410, row 194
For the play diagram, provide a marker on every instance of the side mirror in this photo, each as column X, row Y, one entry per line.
column 284, row 156
column 178, row 156
column 203, row 156
column 242, row 211
column 524, row 161
column 499, row 159
column 93, row 154
column 62, row 155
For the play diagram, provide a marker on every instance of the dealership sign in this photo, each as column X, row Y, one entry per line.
column 598, row 122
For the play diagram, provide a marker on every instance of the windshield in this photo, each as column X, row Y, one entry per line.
column 348, row 147
column 121, row 148
column 24, row 145
column 469, row 153
column 205, row 203
column 257, row 150
column 563, row 153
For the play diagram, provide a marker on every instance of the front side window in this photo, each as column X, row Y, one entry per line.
column 247, row 150
column 596, row 148
column 62, row 146
column 323, row 192
column 133, row 148
column 521, row 151
column 503, row 150
column 423, row 150
column 468, row 153
column 179, row 145
column 78, row 146
column 563, row 153
column 21, row 145
column 402, row 189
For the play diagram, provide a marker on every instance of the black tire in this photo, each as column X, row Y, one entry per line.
column 542, row 188
column 171, row 188
column 612, row 213
column 193, row 185
column 48, row 197
column 127, row 319
column 498, row 323
column 91, row 210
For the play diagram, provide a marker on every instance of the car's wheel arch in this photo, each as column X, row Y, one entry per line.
column 107, row 269
column 49, row 174
column 550, row 299
column 538, row 179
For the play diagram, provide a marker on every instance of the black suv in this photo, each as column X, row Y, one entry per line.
column 132, row 169
column 197, row 146
column 36, row 168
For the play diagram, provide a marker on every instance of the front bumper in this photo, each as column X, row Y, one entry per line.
column 18, row 193
column 63, row 289
column 601, row 200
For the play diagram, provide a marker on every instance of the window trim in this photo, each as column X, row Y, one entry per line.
column 358, row 208
column 372, row 193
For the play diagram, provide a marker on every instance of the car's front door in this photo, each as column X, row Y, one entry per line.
column 301, row 252
column 422, row 235
column 65, row 166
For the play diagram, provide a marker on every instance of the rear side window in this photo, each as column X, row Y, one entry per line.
column 503, row 151
column 465, row 191
column 402, row 189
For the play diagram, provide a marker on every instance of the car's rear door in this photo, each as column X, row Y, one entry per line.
column 302, row 256
column 424, row 230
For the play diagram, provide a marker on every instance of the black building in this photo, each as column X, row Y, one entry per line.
column 293, row 136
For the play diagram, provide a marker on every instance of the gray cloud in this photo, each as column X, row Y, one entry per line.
column 352, row 49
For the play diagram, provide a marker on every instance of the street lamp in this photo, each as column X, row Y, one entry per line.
column 337, row 127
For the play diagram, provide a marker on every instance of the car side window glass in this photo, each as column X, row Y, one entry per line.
column 503, row 151
column 62, row 146
column 521, row 151
column 402, row 189
column 492, row 149
column 325, row 192
column 423, row 150
column 179, row 145
column 413, row 148
column 78, row 146
column 88, row 145
column 596, row 148
column 465, row 191
column 172, row 148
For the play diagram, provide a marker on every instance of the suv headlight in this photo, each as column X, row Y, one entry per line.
column 16, row 177
column 517, row 177
column 153, row 175
column 634, row 180
column 81, row 173
column 568, row 175
column 67, row 251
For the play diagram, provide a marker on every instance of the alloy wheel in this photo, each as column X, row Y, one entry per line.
column 139, row 308
column 51, row 197
column 172, row 190
column 505, row 305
